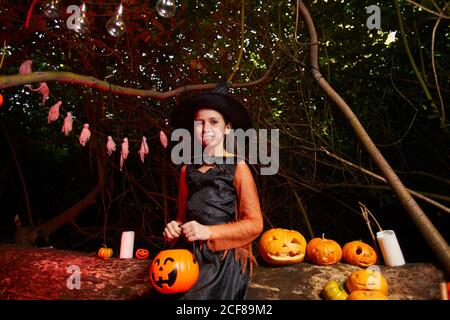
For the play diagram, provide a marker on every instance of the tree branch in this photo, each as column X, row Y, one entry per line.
column 411, row 58
column 92, row 82
column 378, row 177
column 438, row 14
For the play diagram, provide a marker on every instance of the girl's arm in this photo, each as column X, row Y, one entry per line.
column 250, row 223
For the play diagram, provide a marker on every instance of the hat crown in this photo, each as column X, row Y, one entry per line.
column 222, row 87
column 218, row 99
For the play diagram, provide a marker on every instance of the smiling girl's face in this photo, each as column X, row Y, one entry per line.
column 210, row 128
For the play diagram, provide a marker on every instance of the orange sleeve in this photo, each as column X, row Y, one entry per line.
column 182, row 196
column 250, row 222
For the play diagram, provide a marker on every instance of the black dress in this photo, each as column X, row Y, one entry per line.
column 211, row 201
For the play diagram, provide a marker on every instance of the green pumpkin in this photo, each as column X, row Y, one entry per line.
column 334, row 290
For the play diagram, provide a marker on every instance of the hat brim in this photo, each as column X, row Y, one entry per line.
column 183, row 115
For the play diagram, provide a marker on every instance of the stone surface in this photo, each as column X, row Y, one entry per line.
column 304, row 281
column 42, row 273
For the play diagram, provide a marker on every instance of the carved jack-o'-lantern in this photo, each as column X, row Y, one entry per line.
column 323, row 251
column 370, row 280
column 142, row 254
column 1, row 99
column 282, row 246
column 174, row 271
column 358, row 253
column 367, row 295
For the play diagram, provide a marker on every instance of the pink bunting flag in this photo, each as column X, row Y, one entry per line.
column 144, row 149
column 124, row 152
column 43, row 88
column 25, row 67
column 45, row 92
column 53, row 114
column 163, row 139
column 68, row 122
column 110, row 145
column 85, row 134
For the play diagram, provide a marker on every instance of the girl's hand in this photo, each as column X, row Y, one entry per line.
column 193, row 230
column 172, row 231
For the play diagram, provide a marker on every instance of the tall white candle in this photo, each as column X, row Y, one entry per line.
column 127, row 245
column 390, row 248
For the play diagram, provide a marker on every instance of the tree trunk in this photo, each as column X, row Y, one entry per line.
column 26, row 197
column 28, row 235
column 45, row 229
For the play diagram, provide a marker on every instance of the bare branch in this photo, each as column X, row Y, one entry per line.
column 439, row 14
column 89, row 81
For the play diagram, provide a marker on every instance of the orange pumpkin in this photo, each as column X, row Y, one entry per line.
column 358, row 253
column 1, row 99
column 105, row 252
column 369, row 280
column 174, row 271
column 323, row 251
column 281, row 246
column 367, row 295
column 142, row 254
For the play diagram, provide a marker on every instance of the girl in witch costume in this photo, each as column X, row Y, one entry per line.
column 218, row 204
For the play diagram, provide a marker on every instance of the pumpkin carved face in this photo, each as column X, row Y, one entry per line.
column 367, row 295
column 174, row 271
column 358, row 253
column 142, row 254
column 370, row 280
column 323, row 251
column 281, row 246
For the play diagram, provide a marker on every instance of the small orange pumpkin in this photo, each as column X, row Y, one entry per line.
column 142, row 254
column 174, row 271
column 358, row 253
column 281, row 246
column 323, row 251
column 105, row 252
column 369, row 280
column 1, row 99
column 367, row 295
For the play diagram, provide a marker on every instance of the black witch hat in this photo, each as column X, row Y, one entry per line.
column 220, row 100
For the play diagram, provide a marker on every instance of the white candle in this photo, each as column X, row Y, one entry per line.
column 390, row 248
column 127, row 245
